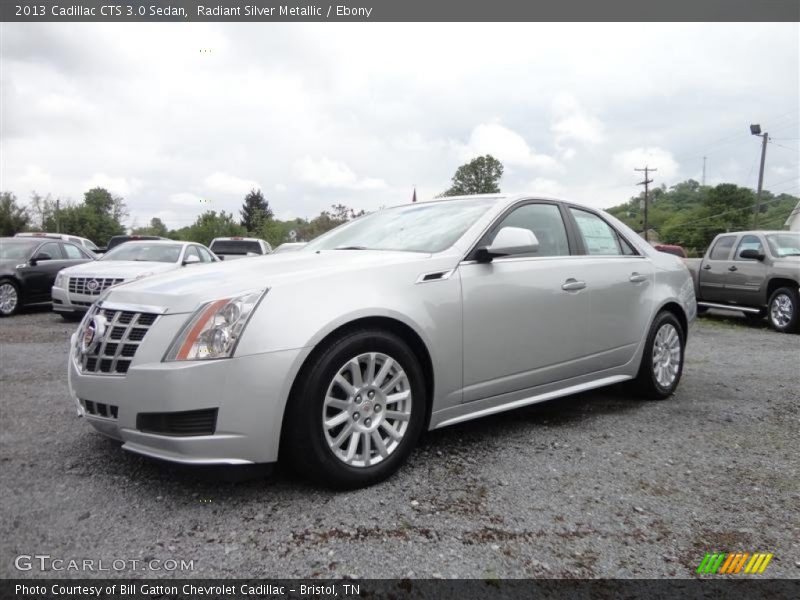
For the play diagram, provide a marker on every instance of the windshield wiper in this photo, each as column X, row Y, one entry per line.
column 351, row 248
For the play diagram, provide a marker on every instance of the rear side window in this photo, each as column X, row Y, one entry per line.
column 236, row 247
column 722, row 248
column 545, row 221
column 599, row 238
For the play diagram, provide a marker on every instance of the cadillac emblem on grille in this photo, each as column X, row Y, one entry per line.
column 93, row 333
column 92, row 285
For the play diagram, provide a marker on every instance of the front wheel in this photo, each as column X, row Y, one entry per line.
column 9, row 298
column 662, row 360
column 783, row 312
column 357, row 411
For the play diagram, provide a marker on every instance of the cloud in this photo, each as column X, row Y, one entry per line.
column 573, row 123
column 225, row 183
column 35, row 178
column 506, row 145
column 327, row 173
column 186, row 199
column 545, row 187
column 655, row 158
column 116, row 185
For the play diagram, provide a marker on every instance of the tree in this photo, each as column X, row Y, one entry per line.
column 479, row 176
column 255, row 211
column 13, row 218
column 98, row 217
column 210, row 225
column 156, row 227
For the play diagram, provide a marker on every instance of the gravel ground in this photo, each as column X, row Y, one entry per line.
column 597, row 485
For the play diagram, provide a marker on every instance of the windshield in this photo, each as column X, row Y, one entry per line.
column 167, row 253
column 17, row 249
column 784, row 244
column 235, row 247
column 429, row 227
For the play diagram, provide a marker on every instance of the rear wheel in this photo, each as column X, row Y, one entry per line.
column 9, row 298
column 662, row 361
column 783, row 311
column 358, row 410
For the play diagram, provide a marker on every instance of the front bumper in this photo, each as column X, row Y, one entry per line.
column 64, row 303
column 249, row 393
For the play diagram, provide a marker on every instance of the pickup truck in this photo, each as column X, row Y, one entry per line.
column 755, row 272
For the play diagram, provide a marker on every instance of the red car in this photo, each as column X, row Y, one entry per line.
column 670, row 249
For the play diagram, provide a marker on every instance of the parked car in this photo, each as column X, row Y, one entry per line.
column 231, row 248
column 76, row 289
column 756, row 272
column 337, row 356
column 671, row 249
column 289, row 247
column 121, row 239
column 73, row 239
column 28, row 267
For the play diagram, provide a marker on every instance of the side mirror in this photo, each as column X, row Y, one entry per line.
column 508, row 241
column 751, row 254
column 191, row 260
column 40, row 256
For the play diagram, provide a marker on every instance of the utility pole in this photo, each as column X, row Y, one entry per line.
column 58, row 215
column 647, row 170
column 704, row 172
column 756, row 130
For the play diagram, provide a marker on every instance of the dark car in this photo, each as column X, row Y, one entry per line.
column 121, row 239
column 28, row 268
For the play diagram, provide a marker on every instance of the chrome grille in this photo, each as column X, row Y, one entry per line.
column 83, row 285
column 114, row 353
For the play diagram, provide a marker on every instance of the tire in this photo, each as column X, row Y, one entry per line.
column 324, row 415
column 10, row 301
column 783, row 310
column 650, row 382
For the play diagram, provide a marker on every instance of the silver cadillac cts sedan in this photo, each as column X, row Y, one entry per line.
column 338, row 356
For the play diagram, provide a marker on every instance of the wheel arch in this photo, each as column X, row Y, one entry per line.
column 399, row 328
column 677, row 310
column 777, row 283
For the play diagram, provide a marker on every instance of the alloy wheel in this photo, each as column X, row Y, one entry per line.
column 781, row 310
column 666, row 355
column 8, row 298
column 367, row 409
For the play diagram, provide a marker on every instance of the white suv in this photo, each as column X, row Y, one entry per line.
column 231, row 248
column 80, row 241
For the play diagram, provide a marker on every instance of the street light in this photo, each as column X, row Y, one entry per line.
column 755, row 129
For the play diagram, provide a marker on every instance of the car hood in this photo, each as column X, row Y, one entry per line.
column 119, row 269
column 183, row 290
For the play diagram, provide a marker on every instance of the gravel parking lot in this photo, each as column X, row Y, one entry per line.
column 597, row 485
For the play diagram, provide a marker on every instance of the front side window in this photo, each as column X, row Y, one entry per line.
column 424, row 227
column 599, row 238
column 50, row 249
column 191, row 251
column 722, row 248
column 545, row 221
column 205, row 255
column 749, row 242
column 142, row 251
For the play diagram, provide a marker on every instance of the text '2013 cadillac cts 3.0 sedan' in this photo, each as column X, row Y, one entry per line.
column 338, row 356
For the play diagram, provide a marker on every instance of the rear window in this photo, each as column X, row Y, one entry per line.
column 235, row 247
column 722, row 248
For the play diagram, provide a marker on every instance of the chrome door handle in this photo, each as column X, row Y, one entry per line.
column 573, row 285
column 732, row 268
column 707, row 267
column 636, row 278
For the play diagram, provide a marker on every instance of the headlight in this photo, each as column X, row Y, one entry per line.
column 215, row 328
column 60, row 279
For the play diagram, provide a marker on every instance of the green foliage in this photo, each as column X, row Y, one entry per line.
column 479, row 176
column 98, row 217
column 255, row 211
column 208, row 226
column 690, row 215
column 156, row 227
column 13, row 218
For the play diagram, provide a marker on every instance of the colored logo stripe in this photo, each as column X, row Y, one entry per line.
column 733, row 563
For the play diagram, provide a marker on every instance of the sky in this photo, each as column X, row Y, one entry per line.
column 183, row 118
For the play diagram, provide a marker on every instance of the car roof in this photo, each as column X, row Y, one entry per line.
column 756, row 231
column 236, row 239
column 159, row 242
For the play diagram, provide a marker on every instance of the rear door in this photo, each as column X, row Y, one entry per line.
column 619, row 286
column 746, row 277
column 714, row 270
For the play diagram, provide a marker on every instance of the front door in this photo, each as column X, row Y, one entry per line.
column 746, row 276
column 522, row 328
